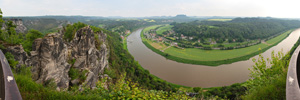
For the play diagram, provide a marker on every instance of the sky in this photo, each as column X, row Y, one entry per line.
column 146, row 8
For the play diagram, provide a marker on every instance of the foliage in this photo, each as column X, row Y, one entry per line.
column 130, row 90
column 239, row 28
column 121, row 61
column 232, row 92
column 30, row 37
column 122, row 89
column 1, row 20
column 268, row 82
column 9, row 35
column 11, row 60
column 74, row 73
column 70, row 30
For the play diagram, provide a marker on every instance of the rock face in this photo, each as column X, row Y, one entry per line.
column 19, row 54
column 49, row 60
column 52, row 57
column 87, row 56
column 20, row 28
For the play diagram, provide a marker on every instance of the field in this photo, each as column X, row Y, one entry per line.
column 213, row 57
column 219, row 20
column 151, row 27
column 162, row 29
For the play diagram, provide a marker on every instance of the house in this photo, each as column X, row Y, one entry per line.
column 191, row 38
column 160, row 39
column 182, row 36
column 174, row 44
column 127, row 32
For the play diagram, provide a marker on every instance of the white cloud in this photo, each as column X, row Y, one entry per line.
column 274, row 8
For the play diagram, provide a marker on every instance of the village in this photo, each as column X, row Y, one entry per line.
column 170, row 38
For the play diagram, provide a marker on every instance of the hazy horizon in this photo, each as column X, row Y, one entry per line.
column 150, row 8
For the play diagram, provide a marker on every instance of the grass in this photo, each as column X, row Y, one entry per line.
column 219, row 20
column 162, row 29
column 215, row 57
column 151, row 27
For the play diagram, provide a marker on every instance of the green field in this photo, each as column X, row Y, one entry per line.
column 215, row 57
column 162, row 29
column 151, row 27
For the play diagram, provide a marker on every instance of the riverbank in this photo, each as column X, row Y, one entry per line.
column 215, row 57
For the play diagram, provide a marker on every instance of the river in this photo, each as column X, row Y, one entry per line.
column 198, row 75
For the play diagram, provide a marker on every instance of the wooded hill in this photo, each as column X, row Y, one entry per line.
column 239, row 29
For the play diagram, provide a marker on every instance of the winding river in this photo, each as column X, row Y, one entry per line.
column 198, row 75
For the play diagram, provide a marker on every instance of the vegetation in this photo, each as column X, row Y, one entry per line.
column 268, row 82
column 122, row 89
column 234, row 91
column 164, row 28
column 30, row 37
column 131, row 81
column 238, row 28
column 11, row 60
column 70, row 30
column 121, row 61
column 213, row 57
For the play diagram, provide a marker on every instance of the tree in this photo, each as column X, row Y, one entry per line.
column 30, row 37
column 1, row 20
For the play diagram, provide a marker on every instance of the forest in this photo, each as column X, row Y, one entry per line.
column 239, row 29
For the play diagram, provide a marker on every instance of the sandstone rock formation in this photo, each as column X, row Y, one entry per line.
column 49, row 60
column 20, row 28
column 52, row 56
column 19, row 54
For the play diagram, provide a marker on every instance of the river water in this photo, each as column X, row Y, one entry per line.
column 198, row 75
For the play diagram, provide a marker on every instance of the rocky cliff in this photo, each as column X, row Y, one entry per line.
column 20, row 28
column 54, row 59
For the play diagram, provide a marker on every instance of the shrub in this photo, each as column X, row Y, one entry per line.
column 11, row 60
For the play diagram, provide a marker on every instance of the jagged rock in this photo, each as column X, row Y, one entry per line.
column 87, row 56
column 19, row 54
column 49, row 61
column 20, row 28
column 51, row 58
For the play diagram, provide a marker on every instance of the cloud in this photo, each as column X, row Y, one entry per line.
column 138, row 8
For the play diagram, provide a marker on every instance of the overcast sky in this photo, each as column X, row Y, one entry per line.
column 141, row 8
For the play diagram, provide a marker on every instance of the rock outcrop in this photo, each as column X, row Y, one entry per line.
column 49, row 60
column 88, row 57
column 20, row 28
column 52, row 58
column 19, row 54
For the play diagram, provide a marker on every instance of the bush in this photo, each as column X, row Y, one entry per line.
column 30, row 37
column 70, row 30
column 11, row 60
column 73, row 73
column 268, row 82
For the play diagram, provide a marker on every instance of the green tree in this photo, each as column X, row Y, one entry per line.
column 1, row 20
column 30, row 37
column 268, row 82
